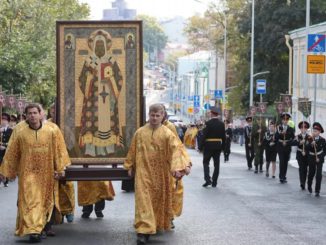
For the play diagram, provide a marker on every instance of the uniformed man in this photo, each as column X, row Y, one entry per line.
column 228, row 138
column 258, row 132
column 270, row 148
column 212, row 143
column 5, row 133
column 250, row 151
column 317, row 152
column 284, row 137
column 301, row 141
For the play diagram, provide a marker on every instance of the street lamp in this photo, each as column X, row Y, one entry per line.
column 251, row 100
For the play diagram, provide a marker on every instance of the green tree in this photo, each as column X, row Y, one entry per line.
column 28, row 44
column 154, row 37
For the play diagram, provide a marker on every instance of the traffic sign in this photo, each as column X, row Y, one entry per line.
column 196, row 104
column 218, row 94
column 196, row 97
column 316, row 64
column 207, row 106
column 316, row 43
column 261, row 86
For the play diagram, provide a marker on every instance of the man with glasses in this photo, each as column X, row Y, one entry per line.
column 284, row 137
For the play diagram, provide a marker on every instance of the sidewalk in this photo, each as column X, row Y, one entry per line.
column 240, row 150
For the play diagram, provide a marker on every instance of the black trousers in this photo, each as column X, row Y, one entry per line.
column 208, row 154
column 303, row 169
column 250, row 155
column 49, row 224
column 284, row 156
column 99, row 206
column 315, row 169
column 227, row 149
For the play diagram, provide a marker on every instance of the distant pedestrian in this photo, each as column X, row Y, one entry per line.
column 270, row 148
column 284, row 137
column 302, row 141
column 5, row 133
column 212, row 143
column 241, row 133
column 228, row 139
column 317, row 152
column 258, row 132
column 249, row 142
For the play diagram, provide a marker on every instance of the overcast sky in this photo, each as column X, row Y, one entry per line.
column 158, row 8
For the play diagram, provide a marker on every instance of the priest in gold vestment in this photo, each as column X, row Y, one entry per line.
column 155, row 155
column 177, row 202
column 37, row 155
column 67, row 189
column 94, row 193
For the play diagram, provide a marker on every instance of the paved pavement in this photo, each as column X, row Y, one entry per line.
column 245, row 208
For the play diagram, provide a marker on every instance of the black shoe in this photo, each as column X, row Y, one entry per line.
column 6, row 184
column 256, row 171
column 172, row 224
column 285, row 181
column 50, row 233
column 317, row 194
column 261, row 171
column 99, row 214
column 34, row 238
column 281, row 181
column 267, row 175
column 302, row 187
column 309, row 189
column 85, row 215
column 207, row 183
column 214, row 185
column 273, row 176
column 141, row 239
column 249, row 168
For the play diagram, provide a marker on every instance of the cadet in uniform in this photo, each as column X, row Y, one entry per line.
column 250, row 152
column 228, row 138
column 270, row 148
column 301, row 141
column 212, row 143
column 284, row 137
column 317, row 151
column 258, row 132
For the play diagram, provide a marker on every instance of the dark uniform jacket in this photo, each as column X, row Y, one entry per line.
column 320, row 150
column 284, row 138
column 301, row 147
column 269, row 141
column 213, row 137
column 5, row 136
column 248, row 135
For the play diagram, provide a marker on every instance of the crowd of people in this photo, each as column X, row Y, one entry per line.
column 34, row 150
column 262, row 135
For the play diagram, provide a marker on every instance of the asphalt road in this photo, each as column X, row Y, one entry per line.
column 245, row 208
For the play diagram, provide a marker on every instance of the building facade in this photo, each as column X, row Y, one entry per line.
column 303, row 83
column 119, row 11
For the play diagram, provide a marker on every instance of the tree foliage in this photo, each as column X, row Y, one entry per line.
column 153, row 34
column 27, row 44
column 273, row 19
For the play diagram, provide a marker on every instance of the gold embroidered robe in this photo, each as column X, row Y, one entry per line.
column 90, row 192
column 33, row 156
column 177, row 201
column 153, row 154
column 67, row 189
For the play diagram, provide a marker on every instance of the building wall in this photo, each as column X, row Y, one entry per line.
column 303, row 84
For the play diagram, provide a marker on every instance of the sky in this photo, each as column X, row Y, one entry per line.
column 157, row 8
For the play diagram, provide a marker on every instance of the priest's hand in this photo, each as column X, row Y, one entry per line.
column 58, row 175
column 177, row 174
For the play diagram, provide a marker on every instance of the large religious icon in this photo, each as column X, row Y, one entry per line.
column 100, row 91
